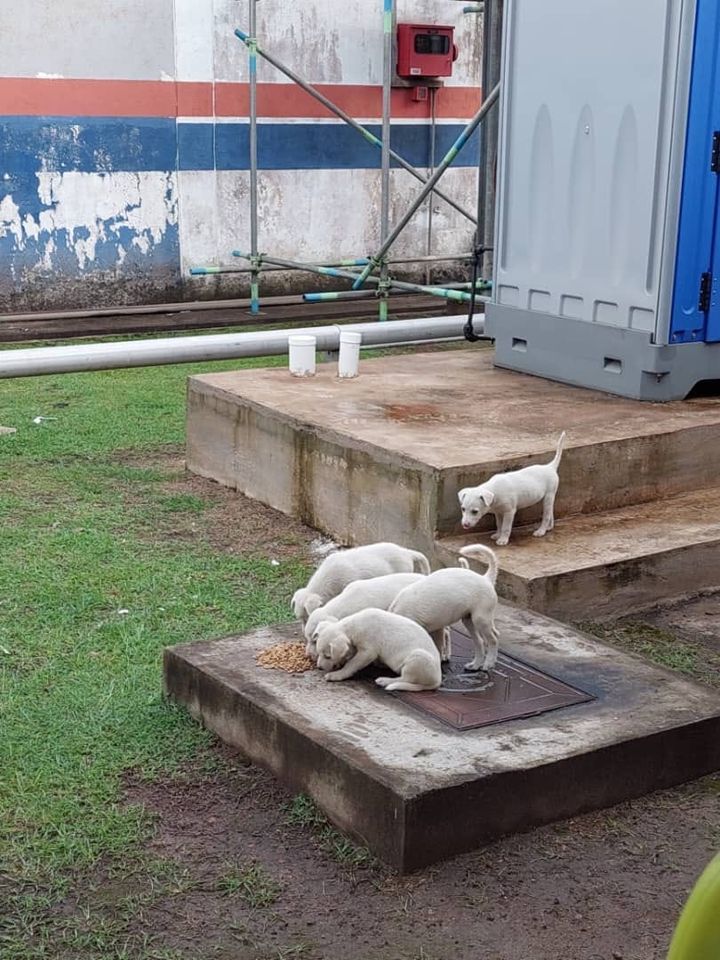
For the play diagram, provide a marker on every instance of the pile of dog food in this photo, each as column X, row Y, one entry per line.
column 290, row 657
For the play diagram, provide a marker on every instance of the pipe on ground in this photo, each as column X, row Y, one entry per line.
column 76, row 358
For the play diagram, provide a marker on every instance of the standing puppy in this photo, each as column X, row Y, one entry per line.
column 357, row 641
column 453, row 594
column 357, row 563
column 506, row 493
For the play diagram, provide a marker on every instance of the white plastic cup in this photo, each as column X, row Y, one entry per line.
column 301, row 351
column 349, row 357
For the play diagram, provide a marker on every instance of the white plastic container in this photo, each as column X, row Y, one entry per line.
column 301, row 351
column 349, row 357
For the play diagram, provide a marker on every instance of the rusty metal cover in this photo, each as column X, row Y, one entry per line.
column 512, row 691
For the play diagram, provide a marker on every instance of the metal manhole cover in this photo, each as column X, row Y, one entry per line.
column 512, row 691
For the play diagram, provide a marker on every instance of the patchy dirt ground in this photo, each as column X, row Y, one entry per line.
column 239, row 870
column 601, row 887
column 227, row 521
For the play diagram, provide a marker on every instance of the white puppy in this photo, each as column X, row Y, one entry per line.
column 378, row 592
column 453, row 594
column 506, row 493
column 357, row 641
column 357, row 563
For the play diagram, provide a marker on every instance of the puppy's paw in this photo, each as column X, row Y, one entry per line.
column 502, row 541
column 539, row 532
column 330, row 677
column 384, row 681
column 473, row 667
column 494, row 536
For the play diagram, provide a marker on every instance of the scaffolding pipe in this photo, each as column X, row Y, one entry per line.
column 433, row 140
column 350, row 121
column 330, row 295
column 443, row 292
column 388, row 15
column 492, row 44
column 211, row 271
column 482, row 153
column 430, row 185
column 77, row 358
column 252, row 67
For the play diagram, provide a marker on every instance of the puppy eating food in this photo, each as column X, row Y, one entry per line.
column 378, row 592
column 457, row 593
column 357, row 563
column 353, row 643
column 506, row 493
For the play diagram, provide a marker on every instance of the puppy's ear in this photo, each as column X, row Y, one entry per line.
column 487, row 497
column 312, row 603
column 297, row 601
column 462, row 494
column 339, row 647
column 324, row 621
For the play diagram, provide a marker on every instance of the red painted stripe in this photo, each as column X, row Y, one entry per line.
column 31, row 96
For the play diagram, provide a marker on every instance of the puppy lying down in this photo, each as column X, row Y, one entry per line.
column 349, row 645
column 378, row 592
column 357, row 563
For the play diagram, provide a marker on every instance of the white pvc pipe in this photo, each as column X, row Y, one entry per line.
column 77, row 357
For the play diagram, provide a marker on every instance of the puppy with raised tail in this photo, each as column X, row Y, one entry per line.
column 506, row 493
column 353, row 643
column 457, row 593
column 357, row 563
column 378, row 592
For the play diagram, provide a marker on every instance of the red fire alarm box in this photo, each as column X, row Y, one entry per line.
column 425, row 50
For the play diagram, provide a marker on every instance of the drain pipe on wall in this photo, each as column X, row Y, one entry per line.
column 75, row 358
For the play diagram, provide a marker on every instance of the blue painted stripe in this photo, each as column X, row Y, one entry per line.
column 101, row 145
column 87, row 144
column 310, row 146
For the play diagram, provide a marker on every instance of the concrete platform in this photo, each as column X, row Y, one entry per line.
column 601, row 565
column 416, row 791
column 383, row 456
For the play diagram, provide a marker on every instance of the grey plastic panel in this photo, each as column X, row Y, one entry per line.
column 599, row 357
column 589, row 97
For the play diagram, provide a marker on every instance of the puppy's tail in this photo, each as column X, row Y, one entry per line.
column 421, row 564
column 555, row 462
column 484, row 553
column 462, row 562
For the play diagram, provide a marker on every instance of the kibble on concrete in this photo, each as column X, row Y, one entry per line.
column 290, row 657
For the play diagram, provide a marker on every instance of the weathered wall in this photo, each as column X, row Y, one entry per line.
column 123, row 144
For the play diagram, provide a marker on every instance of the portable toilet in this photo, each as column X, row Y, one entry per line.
column 607, row 241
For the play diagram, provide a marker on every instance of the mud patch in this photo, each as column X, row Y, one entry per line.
column 193, row 508
column 601, row 886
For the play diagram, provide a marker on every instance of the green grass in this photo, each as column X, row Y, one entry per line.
column 661, row 647
column 302, row 812
column 252, row 883
column 91, row 591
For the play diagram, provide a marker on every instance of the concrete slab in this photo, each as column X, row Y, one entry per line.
column 383, row 456
column 602, row 565
column 416, row 791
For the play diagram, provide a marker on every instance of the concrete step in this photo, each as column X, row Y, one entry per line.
column 416, row 790
column 610, row 563
column 383, row 456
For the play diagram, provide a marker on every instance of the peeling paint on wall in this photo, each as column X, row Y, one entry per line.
column 133, row 178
